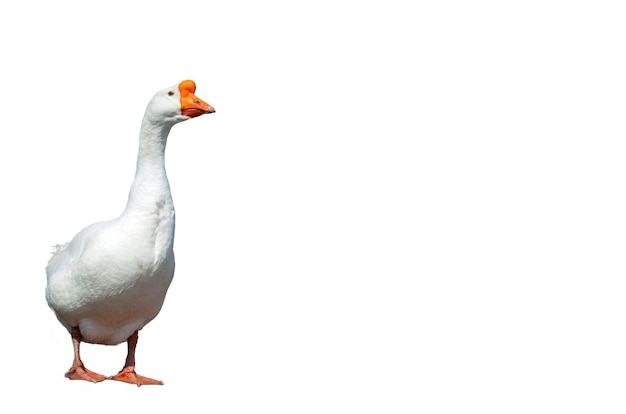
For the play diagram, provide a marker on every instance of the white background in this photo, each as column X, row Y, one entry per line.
column 398, row 207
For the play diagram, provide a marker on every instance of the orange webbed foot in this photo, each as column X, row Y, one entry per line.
column 81, row 373
column 129, row 375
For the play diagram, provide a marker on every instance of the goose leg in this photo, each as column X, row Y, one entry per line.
column 128, row 374
column 78, row 370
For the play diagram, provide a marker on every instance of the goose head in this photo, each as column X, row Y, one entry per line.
column 176, row 104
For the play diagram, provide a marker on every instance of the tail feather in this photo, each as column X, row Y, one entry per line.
column 58, row 248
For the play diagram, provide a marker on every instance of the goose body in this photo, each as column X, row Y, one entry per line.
column 111, row 280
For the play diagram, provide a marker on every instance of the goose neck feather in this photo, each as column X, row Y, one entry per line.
column 150, row 190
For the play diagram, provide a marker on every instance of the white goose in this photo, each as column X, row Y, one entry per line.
column 111, row 279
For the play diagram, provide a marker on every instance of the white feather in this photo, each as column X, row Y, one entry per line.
column 112, row 278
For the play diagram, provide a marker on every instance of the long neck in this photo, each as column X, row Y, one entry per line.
column 150, row 190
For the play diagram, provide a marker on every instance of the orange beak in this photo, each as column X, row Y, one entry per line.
column 190, row 104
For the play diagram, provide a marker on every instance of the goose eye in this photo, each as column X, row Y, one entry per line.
column 171, row 93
